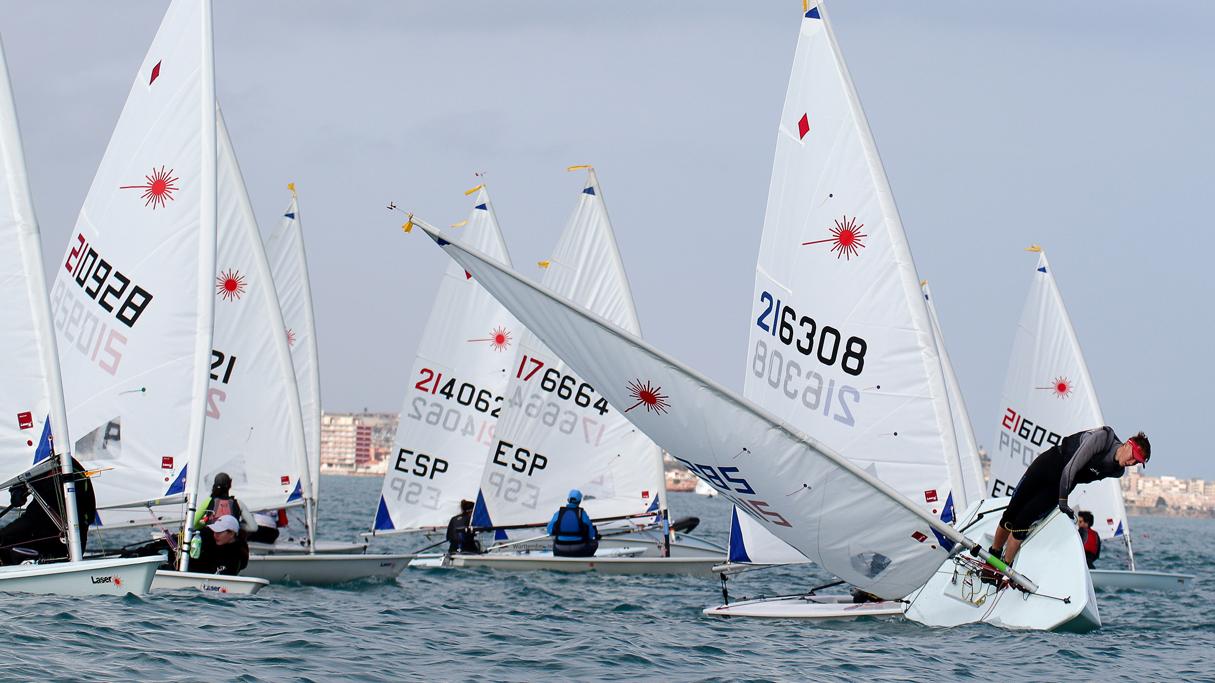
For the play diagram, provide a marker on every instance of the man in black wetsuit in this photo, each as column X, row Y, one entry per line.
column 1081, row 458
column 40, row 531
column 460, row 536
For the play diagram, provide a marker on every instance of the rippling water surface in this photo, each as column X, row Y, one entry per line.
column 485, row 625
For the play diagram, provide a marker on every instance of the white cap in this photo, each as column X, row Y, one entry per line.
column 225, row 523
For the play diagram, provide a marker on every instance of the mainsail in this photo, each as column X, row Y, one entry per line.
column 30, row 386
column 841, row 345
column 557, row 432
column 133, row 298
column 831, row 511
column 1048, row 394
column 289, row 265
column 254, row 430
column 454, row 393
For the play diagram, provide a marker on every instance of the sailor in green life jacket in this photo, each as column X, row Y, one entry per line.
column 216, row 548
column 1081, row 458
column 221, row 502
column 573, row 533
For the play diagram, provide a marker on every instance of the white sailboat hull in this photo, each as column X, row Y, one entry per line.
column 172, row 580
column 109, row 576
column 808, row 607
column 326, row 569
column 693, row 566
column 682, row 546
column 1052, row 557
column 300, row 548
column 1112, row 579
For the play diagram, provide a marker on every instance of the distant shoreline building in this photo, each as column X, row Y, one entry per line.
column 362, row 444
column 357, row 443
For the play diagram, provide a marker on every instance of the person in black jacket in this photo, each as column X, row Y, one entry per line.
column 38, row 530
column 1081, row 458
column 460, row 536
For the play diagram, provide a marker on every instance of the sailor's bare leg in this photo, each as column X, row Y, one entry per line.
column 1010, row 550
column 997, row 543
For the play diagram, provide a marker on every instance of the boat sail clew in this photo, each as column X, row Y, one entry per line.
column 35, row 439
column 1049, row 394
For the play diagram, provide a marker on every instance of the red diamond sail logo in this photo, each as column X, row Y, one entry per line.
column 803, row 127
column 155, row 74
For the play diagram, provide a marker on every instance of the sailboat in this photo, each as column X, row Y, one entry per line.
column 842, row 343
column 454, row 395
column 833, row 512
column 286, row 323
column 141, row 270
column 556, row 434
column 35, row 442
column 1048, row 394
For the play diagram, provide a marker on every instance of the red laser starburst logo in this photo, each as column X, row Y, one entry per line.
column 498, row 340
column 845, row 238
column 649, row 396
column 290, row 337
column 1062, row 387
column 158, row 188
column 230, row 285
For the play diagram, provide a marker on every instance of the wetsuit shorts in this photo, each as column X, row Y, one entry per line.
column 575, row 548
column 1036, row 495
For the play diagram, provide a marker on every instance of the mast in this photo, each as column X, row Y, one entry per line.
column 31, row 252
column 206, row 272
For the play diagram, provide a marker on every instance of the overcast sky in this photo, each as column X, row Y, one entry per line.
column 1083, row 126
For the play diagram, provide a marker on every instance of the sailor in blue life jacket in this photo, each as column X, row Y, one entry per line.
column 573, row 533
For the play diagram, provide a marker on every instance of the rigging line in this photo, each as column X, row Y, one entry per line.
column 833, row 584
column 980, row 516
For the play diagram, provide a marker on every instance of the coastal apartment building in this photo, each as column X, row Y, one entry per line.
column 356, row 443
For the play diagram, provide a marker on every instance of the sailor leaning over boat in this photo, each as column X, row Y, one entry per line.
column 1081, row 458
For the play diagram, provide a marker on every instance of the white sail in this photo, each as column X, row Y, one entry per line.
column 556, row 432
column 840, row 344
column 834, row 513
column 967, row 469
column 1048, row 395
column 454, row 393
column 133, row 295
column 289, row 265
column 30, row 390
column 254, row 428
column 750, row 543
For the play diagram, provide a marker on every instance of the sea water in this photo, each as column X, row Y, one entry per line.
column 487, row 625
